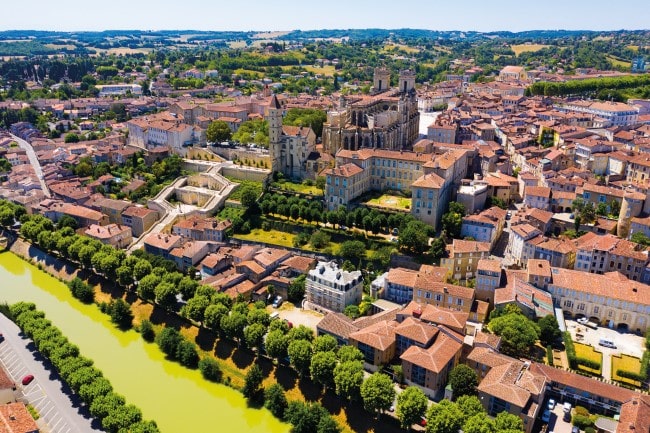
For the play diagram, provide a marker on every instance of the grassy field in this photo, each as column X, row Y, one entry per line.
column 588, row 352
column 242, row 71
column 616, row 62
column 328, row 70
column 406, row 48
column 627, row 363
column 522, row 48
column 391, row 202
column 61, row 46
column 634, row 48
column 274, row 237
column 298, row 187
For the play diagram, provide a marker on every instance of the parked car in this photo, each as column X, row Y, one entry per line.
column 575, row 429
column 277, row 302
column 607, row 343
column 423, row 422
column 582, row 320
column 551, row 404
column 2, row 338
column 28, row 379
column 546, row 416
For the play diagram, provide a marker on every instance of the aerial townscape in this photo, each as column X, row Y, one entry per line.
column 324, row 231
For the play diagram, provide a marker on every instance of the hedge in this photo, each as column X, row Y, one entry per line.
column 549, row 355
column 570, row 350
column 631, row 375
column 588, row 363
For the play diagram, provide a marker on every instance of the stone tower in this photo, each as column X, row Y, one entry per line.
column 631, row 206
column 275, row 133
column 406, row 81
column 381, row 79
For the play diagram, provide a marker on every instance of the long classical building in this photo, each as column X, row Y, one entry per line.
column 430, row 178
column 388, row 118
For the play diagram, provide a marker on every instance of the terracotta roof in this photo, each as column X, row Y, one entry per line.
column 601, row 285
column 380, row 335
column 430, row 180
column 345, row 170
column 436, row 357
column 583, row 383
column 635, row 415
column 5, row 380
column 337, row 324
column 300, row 263
column 416, row 330
column 15, row 418
column 464, row 247
column 490, row 265
column 538, row 191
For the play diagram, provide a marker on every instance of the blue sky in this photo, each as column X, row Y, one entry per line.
column 481, row 15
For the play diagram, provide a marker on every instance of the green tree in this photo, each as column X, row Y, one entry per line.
column 249, row 197
column 307, row 117
column 195, row 308
column 120, row 312
column 212, row 316
column 352, row 311
column 640, row 238
column 254, row 335
column 276, row 344
column 233, row 325
column 452, row 223
column 518, row 333
column 377, row 392
column 444, row 417
column 275, row 400
column 505, row 421
column 348, row 378
column 469, row 405
column 411, row 406
column 322, row 368
column 437, row 249
column 324, row 343
column 168, row 340
column 147, row 331
column 166, row 295
column 300, row 353
column 549, row 330
column 71, row 137
column 296, row 290
column 187, row 354
column 210, row 369
column 353, row 251
column 463, row 380
column 252, row 389
column 479, row 423
column 319, row 239
column 218, row 131
column 67, row 221
column 414, row 238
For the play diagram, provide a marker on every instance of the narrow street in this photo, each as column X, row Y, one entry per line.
column 33, row 160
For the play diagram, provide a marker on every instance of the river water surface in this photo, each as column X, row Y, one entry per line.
column 178, row 399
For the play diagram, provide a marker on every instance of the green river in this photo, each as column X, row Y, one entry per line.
column 178, row 399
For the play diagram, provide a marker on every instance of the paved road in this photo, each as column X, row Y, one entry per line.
column 59, row 409
column 34, row 162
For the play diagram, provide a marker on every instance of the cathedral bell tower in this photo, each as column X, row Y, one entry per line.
column 275, row 133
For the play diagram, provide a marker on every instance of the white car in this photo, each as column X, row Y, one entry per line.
column 551, row 404
column 582, row 320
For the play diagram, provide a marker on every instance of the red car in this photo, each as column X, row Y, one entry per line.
column 423, row 422
column 28, row 379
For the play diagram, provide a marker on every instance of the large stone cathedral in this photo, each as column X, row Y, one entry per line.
column 388, row 118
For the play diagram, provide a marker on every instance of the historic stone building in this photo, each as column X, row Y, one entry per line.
column 388, row 118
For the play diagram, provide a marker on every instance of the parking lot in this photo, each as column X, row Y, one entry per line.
column 298, row 316
column 50, row 420
column 629, row 344
column 557, row 424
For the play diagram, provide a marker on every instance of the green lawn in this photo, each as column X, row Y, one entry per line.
column 298, row 187
column 588, row 352
column 274, row 237
column 236, row 194
column 391, row 202
column 626, row 363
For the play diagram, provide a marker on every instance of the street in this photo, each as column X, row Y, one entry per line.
column 60, row 411
column 33, row 160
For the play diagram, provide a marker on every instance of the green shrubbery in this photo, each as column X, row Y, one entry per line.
column 79, row 373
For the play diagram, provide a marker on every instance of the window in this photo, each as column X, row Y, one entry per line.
column 438, row 298
column 596, row 310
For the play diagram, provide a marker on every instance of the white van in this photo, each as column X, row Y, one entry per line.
column 274, row 315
